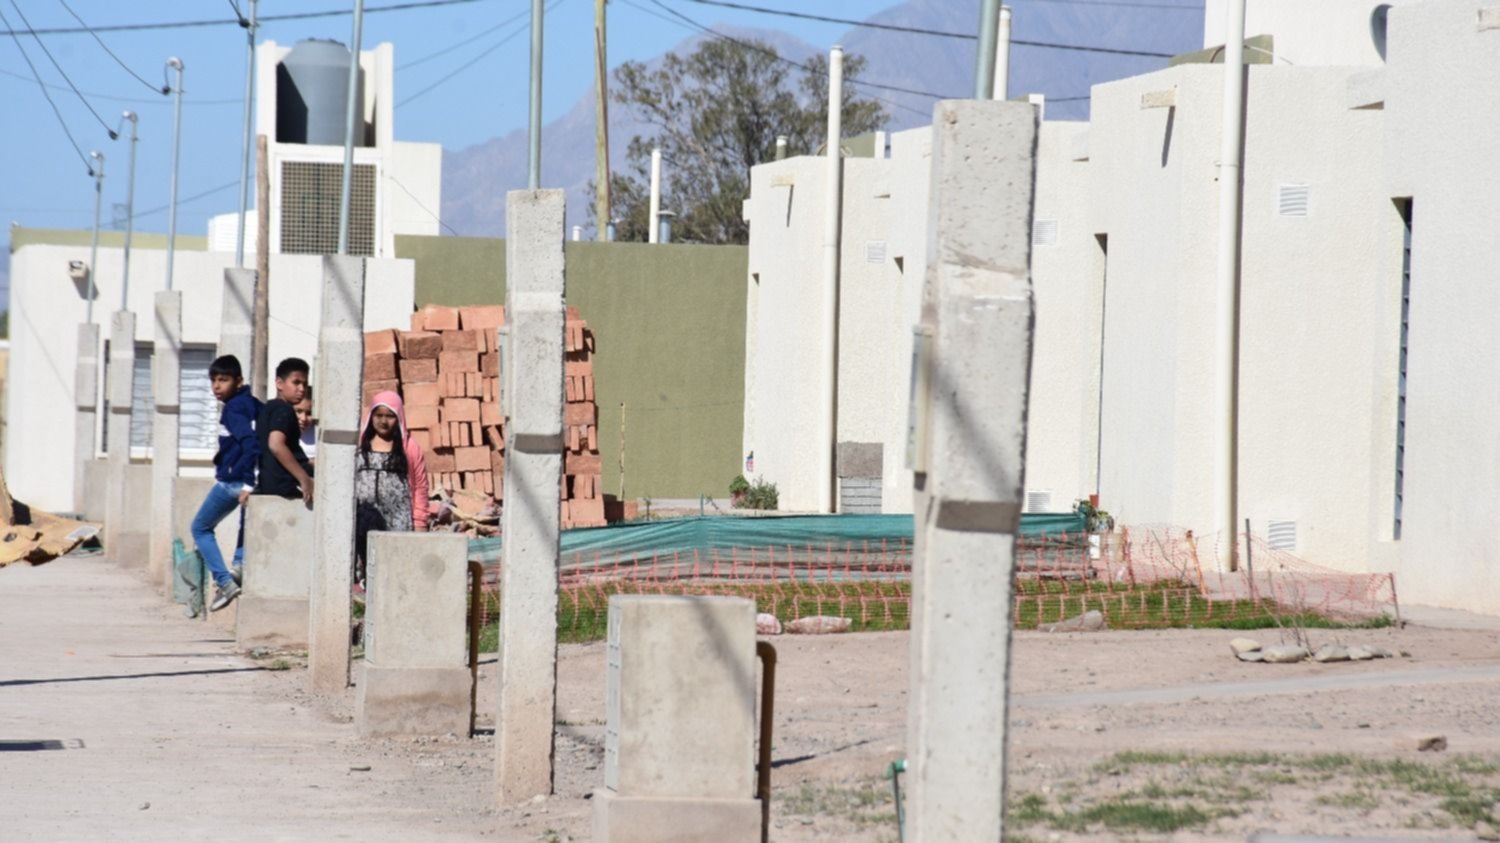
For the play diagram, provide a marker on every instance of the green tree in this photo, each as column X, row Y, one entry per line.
column 716, row 113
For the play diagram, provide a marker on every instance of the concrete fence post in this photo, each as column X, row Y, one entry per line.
column 970, row 437
column 237, row 326
column 86, row 400
column 416, row 681
column 165, row 428
column 340, row 367
column 273, row 611
column 530, row 521
column 121, row 393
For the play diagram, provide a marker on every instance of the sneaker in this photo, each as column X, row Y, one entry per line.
column 238, row 573
column 224, row 596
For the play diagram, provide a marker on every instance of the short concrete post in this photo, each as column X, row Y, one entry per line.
column 278, row 573
column 415, row 679
column 121, row 393
column 341, row 358
column 679, row 740
column 86, row 401
column 237, row 326
column 530, row 521
column 970, row 444
column 165, row 428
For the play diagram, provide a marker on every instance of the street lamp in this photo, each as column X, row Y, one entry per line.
column 129, row 206
column 94, row 241
column 176, row 64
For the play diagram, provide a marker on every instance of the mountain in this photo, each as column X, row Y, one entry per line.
column 475, row 179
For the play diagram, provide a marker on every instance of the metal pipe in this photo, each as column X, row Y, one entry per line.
column 129, row 209
column 781, row 142
column 654, row 223
column 352, row 111
column 94, row 241
column 476, row 602
column 175, row 63
column 1001, row 89
column 1227, row 284
column 239, row 236
column 767, row 655
column 828, row 341
column 984, row 60
column 534, row 129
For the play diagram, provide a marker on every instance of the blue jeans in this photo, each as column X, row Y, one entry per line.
column 222, row 499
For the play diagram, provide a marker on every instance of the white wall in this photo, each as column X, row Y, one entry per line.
column 46, row 309
column 1306, row 32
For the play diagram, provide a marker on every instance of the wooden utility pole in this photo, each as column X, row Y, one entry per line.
column 261, row 346
column 601, row 129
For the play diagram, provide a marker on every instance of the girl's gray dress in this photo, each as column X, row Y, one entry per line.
column 382, row 501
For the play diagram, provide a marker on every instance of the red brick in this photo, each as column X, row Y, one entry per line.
column 372, row 388
column 421, row 417
column 581, row 413
column 422, row 438
column 472, row 459
column 436, row 317
column 419, row 371
column 578, row 368
column 588, row 387
column 572, row 313
column 575, row 443
column 587, row 510
column 461, row 341
column 380, row 342
column 439, row 460
column 489, row 413
column 417, row 322
column 461, row 410
column 420, row 395
column 593, row 438
column 381, row 367
column 489, row 364
column 458, row 361
column 420, row 344
column 582, row 464
column 481, row 317
column 497, row 463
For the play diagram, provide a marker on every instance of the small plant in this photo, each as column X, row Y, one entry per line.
column 757, row 495
column 738, row 488
column 279, row 664
column 1097, row 519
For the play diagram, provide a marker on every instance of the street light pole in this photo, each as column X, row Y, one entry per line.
column 129, row 209
column 534, row 156
column 94, row 241
column 350, row 115
column 176, row 64
column 239, row 237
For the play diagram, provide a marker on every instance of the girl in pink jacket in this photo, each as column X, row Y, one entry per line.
column 390, row 477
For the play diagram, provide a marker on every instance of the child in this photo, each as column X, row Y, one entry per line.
column 234, row 472
column 390, row 478
column 308, row 427
column 284, row 468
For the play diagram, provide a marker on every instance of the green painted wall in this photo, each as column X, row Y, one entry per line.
column 669, row 323
column 109, row 239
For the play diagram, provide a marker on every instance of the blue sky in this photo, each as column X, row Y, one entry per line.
column 43, row 183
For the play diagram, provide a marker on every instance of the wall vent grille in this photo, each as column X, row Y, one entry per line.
column 1292, row 200
column 310, row 208
column 1038, row 500
column 1044, row 233
column 1281, row 535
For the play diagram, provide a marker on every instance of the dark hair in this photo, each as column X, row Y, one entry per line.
column 226, row 366
column 307, row 396
column 290, row 366
column 397, row 462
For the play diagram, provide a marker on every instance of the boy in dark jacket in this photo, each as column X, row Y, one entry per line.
column 234, row 472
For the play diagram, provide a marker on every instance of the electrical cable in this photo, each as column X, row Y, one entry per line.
column 195, row 197
column 111, row 53
column 475, row 60
column 112, row 133
column 471, row 39
column 260, row 20
column 112, row 98
column 43, row 86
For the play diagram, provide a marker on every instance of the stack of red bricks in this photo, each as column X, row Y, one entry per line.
column 447, row 371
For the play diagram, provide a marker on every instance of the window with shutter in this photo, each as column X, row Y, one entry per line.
column 199, row 418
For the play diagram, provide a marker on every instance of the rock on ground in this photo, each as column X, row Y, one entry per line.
column 1284, row 654
column 1091, row 621
column 1244, row 645
column 1331, row 653
column 819, row 625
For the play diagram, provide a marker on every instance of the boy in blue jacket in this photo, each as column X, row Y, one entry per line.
column 234, row 474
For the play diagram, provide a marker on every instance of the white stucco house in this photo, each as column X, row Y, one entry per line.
column 1367, row 279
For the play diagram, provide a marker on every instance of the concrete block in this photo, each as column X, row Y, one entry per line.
column 680, row 697
column 188, row 494
column 121, row 383
column 626, row 819
column 413, row 701
column 237, row 331
column 165, row 429
column 534, row 403
column 86, row 403
column 340, row 372
column 273, row 609
column 95, row 489
column 133, row 539
column 416, row 604
column 861, row 459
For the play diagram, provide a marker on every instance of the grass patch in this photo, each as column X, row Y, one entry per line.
column 1123, row 813
column 1165, row 604
column 865, row 804
column 279, row 664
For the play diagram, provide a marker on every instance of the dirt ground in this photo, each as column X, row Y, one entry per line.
column 1115, row 735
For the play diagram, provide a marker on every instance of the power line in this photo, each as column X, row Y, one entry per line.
column 964, row 36
column 262, row 19
column 471, row 39
column 195, row 197
column 40, row 84
column 414, row 198
column 163, row 90
column 1125, row 4
column 112, row 98
column 112, row 133
column 475, row 60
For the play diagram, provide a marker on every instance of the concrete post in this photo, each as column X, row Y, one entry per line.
column 278, row 569
column 970, row 441
column 416, row 681
column 341, row 357
column 165, row 428
column 121, row 383
column 533, row 396
column 237, row 327
column 86, row 401
column 679, row 744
